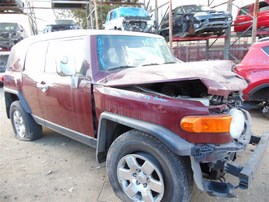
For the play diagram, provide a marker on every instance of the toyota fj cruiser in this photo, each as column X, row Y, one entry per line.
column 160, row 124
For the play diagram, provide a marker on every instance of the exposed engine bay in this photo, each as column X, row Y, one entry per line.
column 135, row 25
column 190, row 90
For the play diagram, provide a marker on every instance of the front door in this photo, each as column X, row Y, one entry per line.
column 64, row 104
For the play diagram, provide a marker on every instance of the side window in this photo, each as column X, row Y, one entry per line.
column 244, row 10
column 179, row 11
column 35, row 57
column 69, row 53
column 114, row 15
column 263, row 6
column 266, row 50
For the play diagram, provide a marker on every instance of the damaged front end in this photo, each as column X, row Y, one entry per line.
column 193, row 108
column 212, row 163
column 10, row 34
column 137, row 24
column 215, row 146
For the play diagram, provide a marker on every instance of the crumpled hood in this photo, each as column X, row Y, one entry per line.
column 216, row 75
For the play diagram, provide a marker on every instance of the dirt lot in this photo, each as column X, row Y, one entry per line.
column 56, row 168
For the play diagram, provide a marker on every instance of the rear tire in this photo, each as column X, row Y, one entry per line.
column 24, row 126
column 141, row 168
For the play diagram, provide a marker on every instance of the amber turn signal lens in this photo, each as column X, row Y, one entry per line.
column 206, row 124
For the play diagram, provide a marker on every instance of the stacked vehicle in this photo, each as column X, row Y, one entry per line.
column 129, row 19
column 196, row 20
column 14, row 27
column 244, row 19
column 61, row 25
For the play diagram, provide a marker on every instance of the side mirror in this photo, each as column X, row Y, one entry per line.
column 66, row 66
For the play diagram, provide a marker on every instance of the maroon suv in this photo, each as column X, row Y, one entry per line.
column 158, row 123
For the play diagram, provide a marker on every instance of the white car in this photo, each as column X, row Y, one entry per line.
column 129, row 19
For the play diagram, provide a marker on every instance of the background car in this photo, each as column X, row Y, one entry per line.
column 255, row 69
column 189, row 20
column 129, row 19
column 15, row 5
column 244, row 19
column 61, row 25
column 10, row 34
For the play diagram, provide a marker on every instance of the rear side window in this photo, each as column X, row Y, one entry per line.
column 35, row 58
column 266, row 50
column 245, row 10
column 263, row 6
column 71, row 51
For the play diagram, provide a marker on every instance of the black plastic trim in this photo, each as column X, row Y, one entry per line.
column 244, row 173
column 176, row 144
column 85, row 139
column 247, row 173
column 21, row 98
column 255, row 90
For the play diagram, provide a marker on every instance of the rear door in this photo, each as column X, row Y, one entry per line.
column 263, row 15
column 33, row 70
column 243, row 19
column 66, row 101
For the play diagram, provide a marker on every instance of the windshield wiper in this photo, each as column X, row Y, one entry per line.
column 150, row 64
column 169, row 63
column 120, row 67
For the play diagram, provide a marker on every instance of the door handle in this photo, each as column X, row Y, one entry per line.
column 43, row 86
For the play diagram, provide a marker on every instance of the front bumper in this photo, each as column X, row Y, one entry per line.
column 207, row 27
column 7, row 44
column 245, row 173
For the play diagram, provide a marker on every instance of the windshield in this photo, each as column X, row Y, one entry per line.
column 196, row 8
column 134, row 12
column 9, row 26
column 114, row 52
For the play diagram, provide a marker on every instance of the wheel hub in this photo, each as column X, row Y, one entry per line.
column 140, row 178
column 19, row 124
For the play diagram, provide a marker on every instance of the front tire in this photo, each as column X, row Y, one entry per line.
column 24, row 126
column 141, row 168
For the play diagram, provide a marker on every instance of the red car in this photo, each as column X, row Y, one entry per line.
column 244, row 19
column 255, row 69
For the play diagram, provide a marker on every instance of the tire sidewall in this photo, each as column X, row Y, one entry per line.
column 32, row 129
column 173, row 172
column 16, row 106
